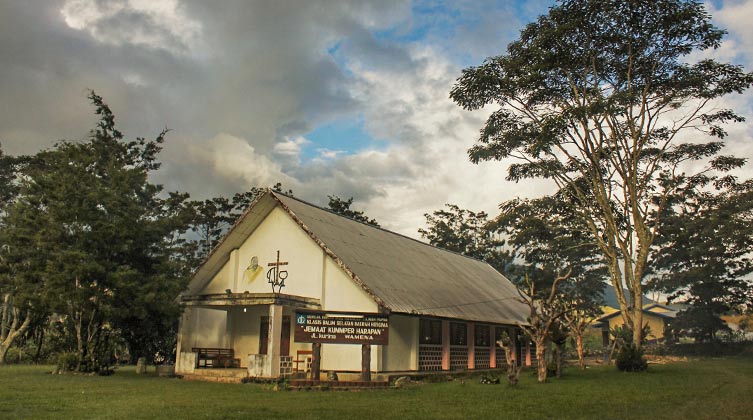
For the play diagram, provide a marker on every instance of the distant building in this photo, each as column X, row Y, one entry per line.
column 656, row 316
column 442, row 310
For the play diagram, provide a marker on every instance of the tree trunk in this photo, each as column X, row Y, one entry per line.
column 541, row 360
column 560, row 355
column 579, row 349
column 9, row 326
column 638, row 324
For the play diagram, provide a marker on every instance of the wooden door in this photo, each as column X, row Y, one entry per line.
column 285, row 337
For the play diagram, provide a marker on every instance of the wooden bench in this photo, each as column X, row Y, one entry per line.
column 209, row 357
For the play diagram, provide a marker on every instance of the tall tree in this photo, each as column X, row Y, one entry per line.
column 95, row 237
column 466, row 232
column 342, row 207
column 703, row 257
column 597, row 96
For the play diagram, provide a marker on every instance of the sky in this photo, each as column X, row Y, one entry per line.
column 349, row 98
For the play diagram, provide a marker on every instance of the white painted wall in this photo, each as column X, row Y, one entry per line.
column 208, row 328
column 402, row 351
column 246, row 330
column 304, row 257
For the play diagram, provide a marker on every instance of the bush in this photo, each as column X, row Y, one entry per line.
column 630, row 359
column 67, row 361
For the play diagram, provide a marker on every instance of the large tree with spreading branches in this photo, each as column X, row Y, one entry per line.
column 599, row 97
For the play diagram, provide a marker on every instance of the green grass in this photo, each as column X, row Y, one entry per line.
column 708, row 389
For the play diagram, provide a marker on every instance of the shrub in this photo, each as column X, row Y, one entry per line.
column 630, row 359
column 67, row 361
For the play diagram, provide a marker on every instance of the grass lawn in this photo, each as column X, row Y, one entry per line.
column 707, row 389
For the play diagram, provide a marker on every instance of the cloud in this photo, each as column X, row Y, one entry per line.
column 241, row 85
column 158, row 24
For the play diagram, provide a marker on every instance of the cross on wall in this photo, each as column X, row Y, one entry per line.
column 275, row 276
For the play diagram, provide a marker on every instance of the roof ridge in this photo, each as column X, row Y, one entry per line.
column 380, row 228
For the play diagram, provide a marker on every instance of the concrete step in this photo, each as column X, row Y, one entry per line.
column 208, row 378
column 304, row 385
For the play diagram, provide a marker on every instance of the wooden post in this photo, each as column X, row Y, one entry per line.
column 366, row 362
column 316, row 357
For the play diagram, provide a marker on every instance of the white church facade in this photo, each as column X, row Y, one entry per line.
column 286, row 261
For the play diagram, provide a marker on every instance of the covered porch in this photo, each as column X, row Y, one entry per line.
column 242, row 331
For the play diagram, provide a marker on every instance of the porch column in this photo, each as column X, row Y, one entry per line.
column 273, row 340
column 493, row 344
column 445, row 345
column 528, row 352
column 471, row 338
column 184, row 331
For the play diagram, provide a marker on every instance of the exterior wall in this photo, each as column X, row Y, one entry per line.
column 402, row 351
column 221, row 281
column 277, row 232
column 654, row 322
column 246, row 330
column 208, row 329
column 340, row 293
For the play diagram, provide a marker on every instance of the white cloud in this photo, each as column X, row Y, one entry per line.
column 235, row 160
column 159, row 24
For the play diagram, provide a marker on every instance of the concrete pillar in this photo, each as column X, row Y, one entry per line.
column 493, row 349
column 273, row 341
column 184, row 332
column 445, row 345
column 528, row 352
column 471, row 346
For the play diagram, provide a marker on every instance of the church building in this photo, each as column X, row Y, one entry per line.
column 293, row 285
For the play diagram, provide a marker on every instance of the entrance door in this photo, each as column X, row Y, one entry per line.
column 284, row 335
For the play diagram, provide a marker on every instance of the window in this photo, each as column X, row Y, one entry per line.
column 458, row 334
column 430, row 331
column 482, row 334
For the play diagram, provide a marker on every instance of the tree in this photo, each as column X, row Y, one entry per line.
column 212, row 219
column 342, row 207
column 546, row 307
column 96, row 239
column 703, row 257
column 513, row 368
column 466, row 232
column 597, row 96
column 548, row 242
column 15, row 305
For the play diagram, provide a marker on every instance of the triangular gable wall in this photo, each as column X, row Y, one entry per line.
column 311, row 271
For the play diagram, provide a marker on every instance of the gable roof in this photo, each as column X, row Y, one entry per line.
column 401, row 274
column 650, row 309
column 610, row 297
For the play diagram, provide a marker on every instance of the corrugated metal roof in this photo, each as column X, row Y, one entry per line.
column 410, row 276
